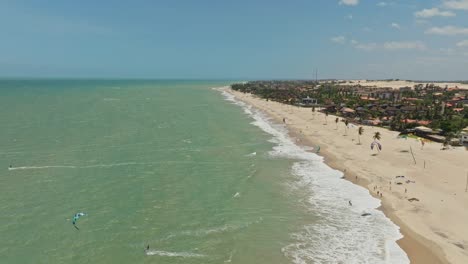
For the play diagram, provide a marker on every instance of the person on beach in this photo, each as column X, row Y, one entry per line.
column 284, row 120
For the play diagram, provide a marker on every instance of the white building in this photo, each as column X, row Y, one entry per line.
column 464, row 136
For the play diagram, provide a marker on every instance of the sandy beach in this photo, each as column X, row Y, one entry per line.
column 398, row 84
column 434, row 225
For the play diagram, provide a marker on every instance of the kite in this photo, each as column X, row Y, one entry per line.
column 76, row 217
column 375, row 143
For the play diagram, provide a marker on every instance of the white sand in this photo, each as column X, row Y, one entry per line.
column 434, row 225
column 398, row 84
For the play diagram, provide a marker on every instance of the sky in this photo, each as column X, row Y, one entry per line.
column 242, row 39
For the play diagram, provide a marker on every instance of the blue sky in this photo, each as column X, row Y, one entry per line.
column 242, row 39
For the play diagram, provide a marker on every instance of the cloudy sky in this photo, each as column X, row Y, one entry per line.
column 243, row 39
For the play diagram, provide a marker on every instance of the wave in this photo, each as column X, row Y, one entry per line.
column 173, row 254
column 110, row 165
column 42, row 167
column 111, row 99
column 215, row 230
column 253, row 154
column 340, row 235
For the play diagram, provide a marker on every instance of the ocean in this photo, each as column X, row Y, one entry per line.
column 179, row 166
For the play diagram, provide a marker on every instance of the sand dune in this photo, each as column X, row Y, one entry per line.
column 398, row 84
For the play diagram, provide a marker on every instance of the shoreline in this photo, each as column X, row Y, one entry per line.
column 418, row 247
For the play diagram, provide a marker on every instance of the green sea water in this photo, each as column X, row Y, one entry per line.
column 158, row 163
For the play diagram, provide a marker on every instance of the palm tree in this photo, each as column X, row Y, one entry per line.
column 326, row 115
column 313, row 111
column 377, row 136
column 446, row 143
column 336, row 122
column 360, row 132
column 346, row 122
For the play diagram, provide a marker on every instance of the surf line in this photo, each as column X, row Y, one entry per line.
column 11, row 168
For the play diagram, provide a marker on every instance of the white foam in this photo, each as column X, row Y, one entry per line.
column 173, row 254
column 229, row 260
column 111, row 99
column 236, row 195
column 110, row 165
column 42, row 167
column 341, row 235
column 253, row 154
column 202, row 232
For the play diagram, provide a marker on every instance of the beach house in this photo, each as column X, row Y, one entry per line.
column 464, row 136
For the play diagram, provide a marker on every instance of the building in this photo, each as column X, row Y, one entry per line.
column 464, row 136
column 309, row 101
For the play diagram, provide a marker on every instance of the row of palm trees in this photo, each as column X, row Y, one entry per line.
column 376, row 137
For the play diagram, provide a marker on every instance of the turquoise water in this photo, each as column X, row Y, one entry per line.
column 186, row 169
column 158, row 163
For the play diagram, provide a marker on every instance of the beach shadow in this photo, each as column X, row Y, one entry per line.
column 404, row 151
column 375, row 154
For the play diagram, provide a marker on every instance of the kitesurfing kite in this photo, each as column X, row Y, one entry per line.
column 377, row 144
column 76, row 217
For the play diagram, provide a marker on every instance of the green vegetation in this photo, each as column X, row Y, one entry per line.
column 443, row 109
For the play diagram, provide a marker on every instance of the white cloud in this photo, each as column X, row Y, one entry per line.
column 382, row 4
column 425, row 13
column 456, row 4
column 400, row 45
column 447, row 51
column 395, row 25
column 392, row 45
column 447, row 31
column 363, row 46
column 339, row 39
column 463, row 44
column 366, row 46
column 349, row 17
column 349, row 2
column 421, row 22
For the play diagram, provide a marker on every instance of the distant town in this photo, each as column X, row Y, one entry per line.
column 438, row 113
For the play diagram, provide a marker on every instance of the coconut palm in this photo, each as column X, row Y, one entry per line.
column 346, row 122
column 377, row 136
column 360, row 132
column 313, row 111
column 446, row 143
column 326, row 115
column 336, row 123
